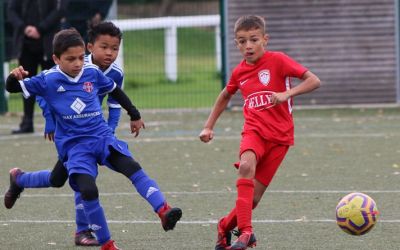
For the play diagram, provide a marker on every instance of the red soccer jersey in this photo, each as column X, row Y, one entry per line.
column 257, row 83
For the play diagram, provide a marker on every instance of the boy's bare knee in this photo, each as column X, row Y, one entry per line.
column 246, row 169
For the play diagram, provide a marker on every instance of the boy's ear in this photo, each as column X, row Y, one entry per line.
column 56, row 59
column 89, row 47
column 266, row 38
column 236, row 42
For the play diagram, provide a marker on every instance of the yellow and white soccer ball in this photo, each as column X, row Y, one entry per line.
column 356, row 213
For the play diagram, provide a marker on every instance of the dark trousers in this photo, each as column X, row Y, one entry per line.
column 31, row 60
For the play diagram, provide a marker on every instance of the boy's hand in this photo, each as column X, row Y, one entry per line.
column 280, row 97
column 49, row 128
column 136, row 126
column 49, row 136
column 19, row 73
column 206, row 135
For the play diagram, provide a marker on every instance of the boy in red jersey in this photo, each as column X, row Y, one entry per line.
column 268, row 131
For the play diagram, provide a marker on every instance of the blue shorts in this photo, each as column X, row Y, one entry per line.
column 83, row 158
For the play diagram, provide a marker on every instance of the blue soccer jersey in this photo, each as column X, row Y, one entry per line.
column 114, row 72
column 74, row 103
column 114, row 109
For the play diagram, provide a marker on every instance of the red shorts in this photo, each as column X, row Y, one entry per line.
column 269, row 155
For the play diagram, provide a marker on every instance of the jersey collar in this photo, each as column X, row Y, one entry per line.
column 90, row 60
column 72, row 79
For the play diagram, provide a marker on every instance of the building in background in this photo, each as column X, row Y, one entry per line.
column 350, row 45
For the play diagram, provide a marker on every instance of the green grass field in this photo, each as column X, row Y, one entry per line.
column 336, row 152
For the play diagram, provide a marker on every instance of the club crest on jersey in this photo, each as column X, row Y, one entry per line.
column 88, row 87
column 264, row 76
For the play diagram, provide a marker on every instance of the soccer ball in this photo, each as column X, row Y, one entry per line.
column 356, row 213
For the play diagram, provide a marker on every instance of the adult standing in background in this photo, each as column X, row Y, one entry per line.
column 8, row 33
column 83, row 14
column 35, row 23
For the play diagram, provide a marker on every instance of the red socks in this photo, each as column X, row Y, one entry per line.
column 244, row 204
column 230, row 221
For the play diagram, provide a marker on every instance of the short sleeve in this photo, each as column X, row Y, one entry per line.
column 232, row 85
column 119, row 81
column 291, row 68
column 105, row 84
column 117, row 76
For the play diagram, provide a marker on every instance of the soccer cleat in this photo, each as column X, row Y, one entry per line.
column 169, row 216
column 86, row 238
column 110, row 245
column 224, row 238
column 245, row 240
column 13, row 192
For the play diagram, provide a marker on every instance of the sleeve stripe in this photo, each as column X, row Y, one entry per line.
column 114, row 105
column 118, row 69
column 25, row 92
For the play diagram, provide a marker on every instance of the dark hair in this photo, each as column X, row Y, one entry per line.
column 104, row 28
column 249, row 22
column 65, row 39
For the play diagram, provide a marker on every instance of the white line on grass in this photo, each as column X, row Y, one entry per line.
column 168, row 138
column 235, row 137
column 194, row 222
column 227, row 192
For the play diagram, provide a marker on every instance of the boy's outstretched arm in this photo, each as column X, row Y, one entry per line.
column 222, row 101
column 125, row 102
column 310, row 82
column 17, row 74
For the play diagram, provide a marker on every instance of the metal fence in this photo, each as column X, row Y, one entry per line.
column 172, row 61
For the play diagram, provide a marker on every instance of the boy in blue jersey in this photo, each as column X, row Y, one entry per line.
column 83, row 139
column 103, row 45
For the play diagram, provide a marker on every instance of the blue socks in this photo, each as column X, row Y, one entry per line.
column 82, row 223
column 148, row 189
column 38, row 179
column 97, row 220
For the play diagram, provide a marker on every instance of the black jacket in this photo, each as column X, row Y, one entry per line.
column 49, row 16
column 80, row 13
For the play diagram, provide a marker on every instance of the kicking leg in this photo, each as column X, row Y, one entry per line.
column 147, row 188
column 38, row 179
column 14, row 191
